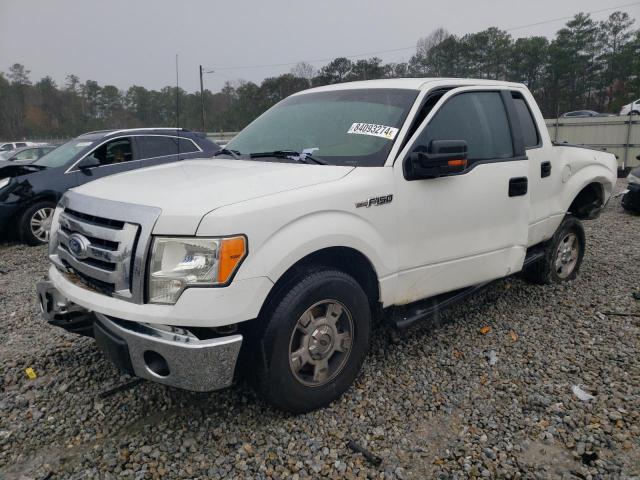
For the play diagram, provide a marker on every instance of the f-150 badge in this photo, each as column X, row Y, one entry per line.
column 377, row 201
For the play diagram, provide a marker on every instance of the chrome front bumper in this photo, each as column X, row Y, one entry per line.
column 169, row 355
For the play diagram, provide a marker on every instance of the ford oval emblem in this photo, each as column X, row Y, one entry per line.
column 79, row 246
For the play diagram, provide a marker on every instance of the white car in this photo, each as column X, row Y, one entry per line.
column 8, row 146
column 339, row 206
column 632, row 108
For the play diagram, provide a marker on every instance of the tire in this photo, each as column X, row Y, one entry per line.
column 563, row 255
column 628, row 204
column 314, row 341
column 35, row 223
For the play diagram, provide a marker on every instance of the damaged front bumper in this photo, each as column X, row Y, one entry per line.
column 58, row 311
column 169, row 355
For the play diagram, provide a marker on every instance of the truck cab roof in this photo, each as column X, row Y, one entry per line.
column 414, row 84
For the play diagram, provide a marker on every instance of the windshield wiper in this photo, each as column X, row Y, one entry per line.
column 226, row 151
column 292, row 154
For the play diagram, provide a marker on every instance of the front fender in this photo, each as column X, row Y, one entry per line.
column 284, row 228
column 316, row 231
column 274, row 250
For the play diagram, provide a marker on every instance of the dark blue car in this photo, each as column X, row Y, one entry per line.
column 29, row 193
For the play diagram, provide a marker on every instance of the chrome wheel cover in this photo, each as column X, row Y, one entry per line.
column 321, row 343
column 567, row 255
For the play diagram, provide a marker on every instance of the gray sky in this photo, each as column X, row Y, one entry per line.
column 126, row 42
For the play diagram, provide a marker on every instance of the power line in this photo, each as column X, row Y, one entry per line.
column 412, row 47
column 570, row 16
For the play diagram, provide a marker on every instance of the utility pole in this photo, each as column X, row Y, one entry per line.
column 177, row 96
column 202, row 72
column 202, row 100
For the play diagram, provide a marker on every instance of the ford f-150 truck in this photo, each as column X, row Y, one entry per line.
column 340, row 206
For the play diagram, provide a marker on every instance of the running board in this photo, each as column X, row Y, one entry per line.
column 404, row 316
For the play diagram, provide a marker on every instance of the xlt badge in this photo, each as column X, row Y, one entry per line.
column 383, row 200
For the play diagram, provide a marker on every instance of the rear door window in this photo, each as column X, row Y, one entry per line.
column 160, row 146
column 480, row 119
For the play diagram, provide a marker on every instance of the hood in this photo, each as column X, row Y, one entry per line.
column 15, row 169
column 188, row 190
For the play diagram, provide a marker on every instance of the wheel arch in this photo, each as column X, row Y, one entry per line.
column 19, row 212
column 41, row 197
column 588, row 202
column 345, row 259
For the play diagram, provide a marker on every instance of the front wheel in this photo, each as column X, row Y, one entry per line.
column 315, row 340
column 35, row 223
column 563, row 255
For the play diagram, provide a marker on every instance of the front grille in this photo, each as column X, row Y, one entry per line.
column 115, row 239
column 106, row 222
column 107, row 263
column 106, row 244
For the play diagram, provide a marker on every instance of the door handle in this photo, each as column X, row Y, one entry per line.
column 518, row 186
column 545, row 169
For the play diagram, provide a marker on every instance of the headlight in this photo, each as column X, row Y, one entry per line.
column 4, row 182
column 178, row 263
column 630, row 178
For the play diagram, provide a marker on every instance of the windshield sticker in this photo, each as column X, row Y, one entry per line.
column 381, row 131
column 83, row 144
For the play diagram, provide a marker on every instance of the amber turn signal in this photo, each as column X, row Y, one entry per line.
column 232, row 252
column 457, row 163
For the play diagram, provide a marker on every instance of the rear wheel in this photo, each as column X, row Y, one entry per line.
column 315, row 340
column 563, row 255
column 35, row 223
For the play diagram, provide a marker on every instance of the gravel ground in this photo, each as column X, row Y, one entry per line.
column 441, row 400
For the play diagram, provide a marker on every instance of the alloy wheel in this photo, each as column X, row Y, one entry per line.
column 41, row 223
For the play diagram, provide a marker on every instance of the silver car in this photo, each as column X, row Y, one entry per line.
column 24, row 155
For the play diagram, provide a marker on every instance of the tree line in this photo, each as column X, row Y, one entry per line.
column 587, row 65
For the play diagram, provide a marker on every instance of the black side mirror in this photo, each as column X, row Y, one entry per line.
column 442, row 158
column 89, row 162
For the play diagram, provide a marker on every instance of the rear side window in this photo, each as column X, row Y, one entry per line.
column 480, row 119
column 530, row 134
column 20, row 145
column 157, row 146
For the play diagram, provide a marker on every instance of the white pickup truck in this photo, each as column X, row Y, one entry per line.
column 339, row 206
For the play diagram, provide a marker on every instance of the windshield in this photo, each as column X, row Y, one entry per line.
column 343, row 127
column 64, row 153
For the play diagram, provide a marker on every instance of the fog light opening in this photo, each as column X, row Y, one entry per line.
column 156, row 363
